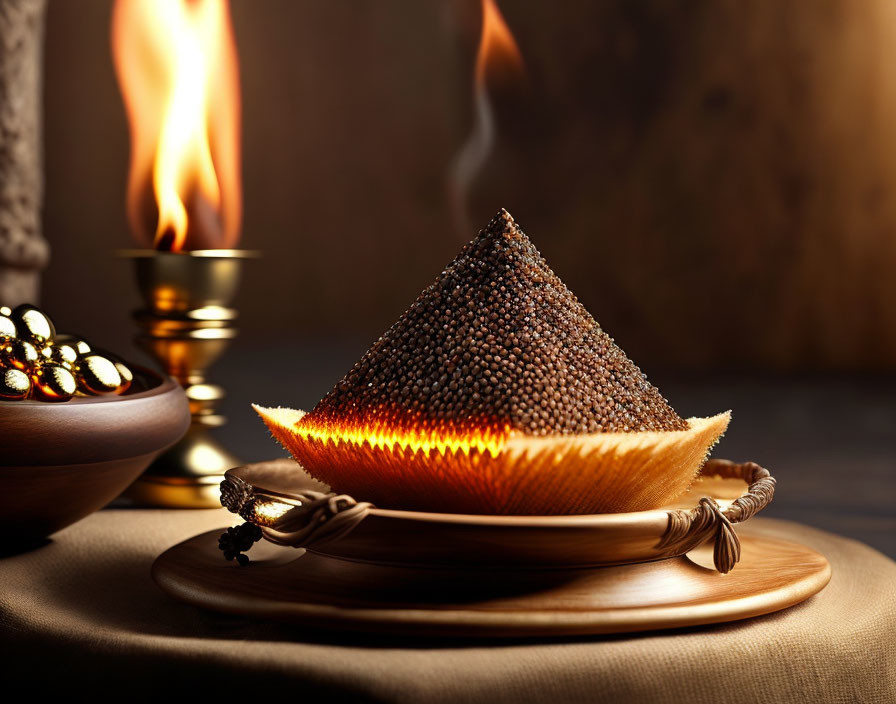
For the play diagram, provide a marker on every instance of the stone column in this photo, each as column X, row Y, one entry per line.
column 23, row 250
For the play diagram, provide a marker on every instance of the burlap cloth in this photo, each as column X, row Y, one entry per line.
column 82, row 613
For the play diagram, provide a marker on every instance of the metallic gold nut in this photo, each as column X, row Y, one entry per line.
column 33, row 325
column 127, row 378
column 53, row 382
column 19, row 354
column 14, row 385
column 7, row 327
column 97, row 375
column 80, row 345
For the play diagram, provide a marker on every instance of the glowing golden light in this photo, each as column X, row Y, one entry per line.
column 268, row 512
column 177, row 67
column 383, row 435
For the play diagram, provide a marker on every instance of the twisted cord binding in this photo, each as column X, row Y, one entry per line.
column 688, row 529
column 318, row 518
column 315, row 517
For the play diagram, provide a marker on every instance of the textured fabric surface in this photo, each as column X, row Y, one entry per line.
column 83, row 611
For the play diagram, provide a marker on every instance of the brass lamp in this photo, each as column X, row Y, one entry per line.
column 186, row 325
column 177, row 67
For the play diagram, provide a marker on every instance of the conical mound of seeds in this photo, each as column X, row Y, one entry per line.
column 497, row 392
column 498, row 338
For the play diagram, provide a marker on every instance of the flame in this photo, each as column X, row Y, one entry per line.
column 496, row 44
column 388, row 434
column 177, row 67
column 497, row 50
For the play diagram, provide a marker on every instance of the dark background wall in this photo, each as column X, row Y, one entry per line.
column 713, row 179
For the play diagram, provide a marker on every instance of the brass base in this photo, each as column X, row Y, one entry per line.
column 188, row 475
column 162, row 493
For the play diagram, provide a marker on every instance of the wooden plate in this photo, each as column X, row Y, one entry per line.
column 318, row 591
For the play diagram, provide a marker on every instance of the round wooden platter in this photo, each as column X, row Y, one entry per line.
column 321, row 592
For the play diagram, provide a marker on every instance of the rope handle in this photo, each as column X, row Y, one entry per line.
column 302, row 520
column 689, row 528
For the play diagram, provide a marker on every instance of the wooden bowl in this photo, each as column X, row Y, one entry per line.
column 444, row 540
column 62, row 461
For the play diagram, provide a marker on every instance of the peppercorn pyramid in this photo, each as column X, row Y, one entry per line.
column 497, row 392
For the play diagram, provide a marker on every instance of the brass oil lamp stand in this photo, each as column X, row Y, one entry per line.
column 186, row 325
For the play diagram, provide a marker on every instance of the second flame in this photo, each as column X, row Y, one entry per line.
column 496, row 44
column 497, row 50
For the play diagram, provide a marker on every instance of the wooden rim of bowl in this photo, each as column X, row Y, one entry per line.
column 326, row 522
column 82, row 429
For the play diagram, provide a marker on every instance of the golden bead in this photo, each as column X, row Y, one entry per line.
column 81, row 347
column 7, row 327
column 64, row 354
column 33, row 325
column 53, row 382
column 19, row 354
column 97, row 375
column 14, row 385
column 127, row 378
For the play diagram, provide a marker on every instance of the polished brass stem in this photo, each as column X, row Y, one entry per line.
column 186, row 324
